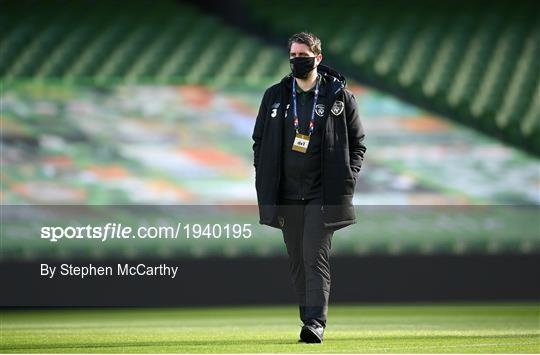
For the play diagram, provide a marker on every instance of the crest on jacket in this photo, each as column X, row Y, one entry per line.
column 319, row 110
column 337, row 108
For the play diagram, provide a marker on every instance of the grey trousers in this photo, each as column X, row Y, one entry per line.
column 308, row 246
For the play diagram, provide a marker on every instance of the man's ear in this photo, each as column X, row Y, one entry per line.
column 319, row 58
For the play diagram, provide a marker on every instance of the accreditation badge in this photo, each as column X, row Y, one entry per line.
column 300, row 143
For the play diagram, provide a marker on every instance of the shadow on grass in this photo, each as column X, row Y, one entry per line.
column 179, row 343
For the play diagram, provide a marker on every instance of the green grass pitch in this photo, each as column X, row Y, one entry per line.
column 401, row 328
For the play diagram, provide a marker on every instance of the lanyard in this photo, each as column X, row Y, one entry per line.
column 312, row 119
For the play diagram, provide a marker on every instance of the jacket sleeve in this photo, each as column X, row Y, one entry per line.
column 258, row 129
column 355, row 133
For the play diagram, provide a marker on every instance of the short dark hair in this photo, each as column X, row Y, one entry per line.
column 309, row 39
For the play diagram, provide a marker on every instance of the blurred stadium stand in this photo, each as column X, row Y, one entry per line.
column 475, row 61
column 141, row 41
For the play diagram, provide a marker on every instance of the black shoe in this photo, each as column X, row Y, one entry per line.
column 312, row 333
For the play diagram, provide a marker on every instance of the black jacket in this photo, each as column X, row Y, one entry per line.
column 342, row 149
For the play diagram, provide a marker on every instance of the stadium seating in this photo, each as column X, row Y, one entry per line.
column 135, row 41
column 476, row 62
column 61, row 145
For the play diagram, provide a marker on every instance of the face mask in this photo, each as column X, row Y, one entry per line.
column 301, row 66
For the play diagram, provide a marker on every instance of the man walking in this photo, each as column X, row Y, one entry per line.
column 308, row 150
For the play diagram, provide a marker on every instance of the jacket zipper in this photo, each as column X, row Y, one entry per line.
column 322, row 158
column 323, row 148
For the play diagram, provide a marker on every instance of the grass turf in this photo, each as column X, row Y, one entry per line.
column 448, row 328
